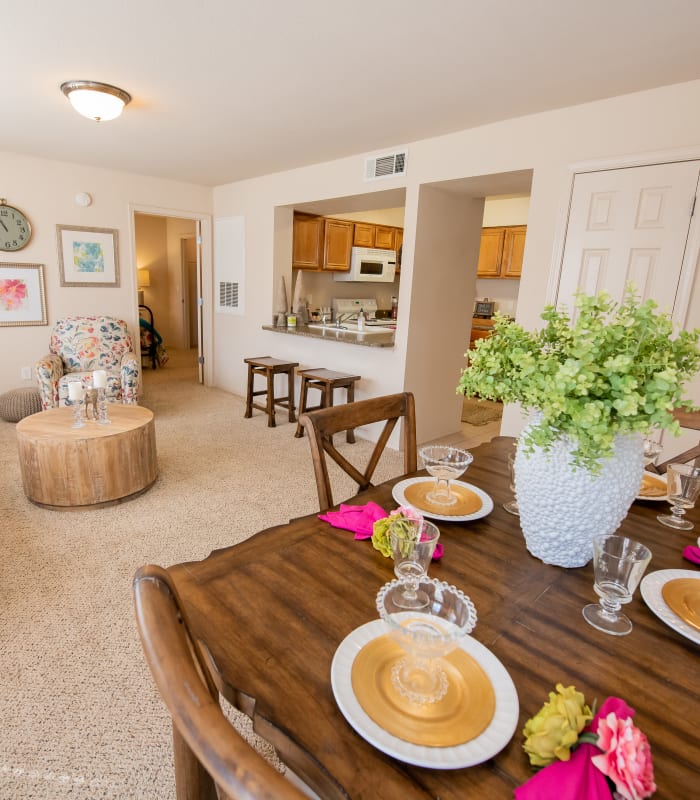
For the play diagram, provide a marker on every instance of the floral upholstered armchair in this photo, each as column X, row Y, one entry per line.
column 80, row 345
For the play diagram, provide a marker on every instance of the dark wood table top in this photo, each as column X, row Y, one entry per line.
column 273, row 610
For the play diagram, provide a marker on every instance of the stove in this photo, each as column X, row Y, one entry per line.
column 348, row 309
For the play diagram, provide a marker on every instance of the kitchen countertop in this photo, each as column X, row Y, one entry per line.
column 337, row 335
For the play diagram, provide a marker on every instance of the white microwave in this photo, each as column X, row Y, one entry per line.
column 370, row 265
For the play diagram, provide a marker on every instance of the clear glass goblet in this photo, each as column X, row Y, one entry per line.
column 445, row 464
column 511, row 506
column 682, row 487
column 618, row 566
column 426, row 635
column 413, row 543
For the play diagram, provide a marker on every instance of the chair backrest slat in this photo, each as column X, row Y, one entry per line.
column 322, row 424
column 686, row 419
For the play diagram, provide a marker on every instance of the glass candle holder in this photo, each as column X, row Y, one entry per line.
column 102, row 416
column 77, row 408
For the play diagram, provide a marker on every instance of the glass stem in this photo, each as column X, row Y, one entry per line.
column 610, row 607
column 677, row 512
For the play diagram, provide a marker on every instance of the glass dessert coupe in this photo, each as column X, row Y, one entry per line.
column 445, row 464
column 426, row 635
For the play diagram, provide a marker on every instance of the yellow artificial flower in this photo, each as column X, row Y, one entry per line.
column 553, row 731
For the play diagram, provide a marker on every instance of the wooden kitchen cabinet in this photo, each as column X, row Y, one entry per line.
column 481, row 329
column 325, row 243
column 384, row 237
column 501, row 252
column 307, row 246
column 513, row 251
column 364, row 234
column 337, row 244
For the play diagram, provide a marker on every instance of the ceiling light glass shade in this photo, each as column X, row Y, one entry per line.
column 98, row 101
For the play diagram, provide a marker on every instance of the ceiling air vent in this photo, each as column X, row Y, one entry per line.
column 386, row 166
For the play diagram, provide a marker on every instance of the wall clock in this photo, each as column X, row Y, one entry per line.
column 15, row 230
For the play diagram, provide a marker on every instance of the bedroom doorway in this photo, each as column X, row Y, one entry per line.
column 168, row 251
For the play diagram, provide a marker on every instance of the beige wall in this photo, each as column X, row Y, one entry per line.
column 550, row 144
column 45, row 190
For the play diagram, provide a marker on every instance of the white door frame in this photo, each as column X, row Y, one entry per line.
column 204, row 277
column 692, row 250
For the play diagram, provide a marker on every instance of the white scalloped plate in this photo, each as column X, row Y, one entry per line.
column 399, row 489
column 651, row 587
column 491, row 741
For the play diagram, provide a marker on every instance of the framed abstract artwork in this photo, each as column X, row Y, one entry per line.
column 88, row 256
column 22, row 295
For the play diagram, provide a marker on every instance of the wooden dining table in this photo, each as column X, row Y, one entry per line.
column 274, row 609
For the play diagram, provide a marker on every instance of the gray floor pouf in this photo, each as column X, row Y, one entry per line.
column 19, row 403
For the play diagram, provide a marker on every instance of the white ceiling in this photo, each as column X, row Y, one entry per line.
column 229, row 89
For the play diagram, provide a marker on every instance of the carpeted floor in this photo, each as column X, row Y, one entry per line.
column 80, row 717
column 480, row 412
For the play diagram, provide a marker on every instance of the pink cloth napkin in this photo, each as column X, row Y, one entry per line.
column 691, row 553
column 360, row 520
column 578, row 778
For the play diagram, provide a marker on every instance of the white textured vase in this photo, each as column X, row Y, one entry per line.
column 562, row 507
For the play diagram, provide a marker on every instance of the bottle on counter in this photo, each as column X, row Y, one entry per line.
column 361, row 320
column 394, row 307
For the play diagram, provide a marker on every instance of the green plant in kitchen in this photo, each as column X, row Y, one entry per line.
column 616, row 368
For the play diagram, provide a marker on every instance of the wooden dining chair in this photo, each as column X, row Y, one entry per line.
column 322, row 424
column 686, row 419
column 211, row 758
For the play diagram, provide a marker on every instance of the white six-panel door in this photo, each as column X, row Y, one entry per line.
column 634, row 225
column 629, row 225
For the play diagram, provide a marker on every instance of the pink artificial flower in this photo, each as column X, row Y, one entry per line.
column 626, row 757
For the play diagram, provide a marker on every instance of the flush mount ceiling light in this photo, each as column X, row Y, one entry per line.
column 98, row 101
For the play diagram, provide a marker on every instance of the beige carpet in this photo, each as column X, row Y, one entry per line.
column 79, row 715
column 480, row 412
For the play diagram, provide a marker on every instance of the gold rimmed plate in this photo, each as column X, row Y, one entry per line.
column 682, row 596
column 653, row 487
column 482, row 746
column 461, row 715
column 472, row 502
column 652, row 590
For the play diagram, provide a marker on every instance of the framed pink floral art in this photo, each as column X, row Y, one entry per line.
column 22, row 295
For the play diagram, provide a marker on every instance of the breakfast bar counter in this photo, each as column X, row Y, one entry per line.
column 367, row 338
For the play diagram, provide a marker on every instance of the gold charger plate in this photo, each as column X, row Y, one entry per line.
column 468, row 502
column 461, row 715
column 652, row 488
column 682, row 596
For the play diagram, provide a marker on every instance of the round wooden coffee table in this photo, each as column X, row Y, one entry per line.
column 66, row 468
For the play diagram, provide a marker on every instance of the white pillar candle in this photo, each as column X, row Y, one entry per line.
column 75, row 390
column 99, row 379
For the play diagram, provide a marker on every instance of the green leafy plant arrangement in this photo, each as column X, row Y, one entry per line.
column 618, row 368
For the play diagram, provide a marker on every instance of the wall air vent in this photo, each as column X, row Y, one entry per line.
column 228, row 294
column 388, row 165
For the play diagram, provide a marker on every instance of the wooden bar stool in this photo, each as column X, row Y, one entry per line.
column 269, row 367
column 326, row 381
